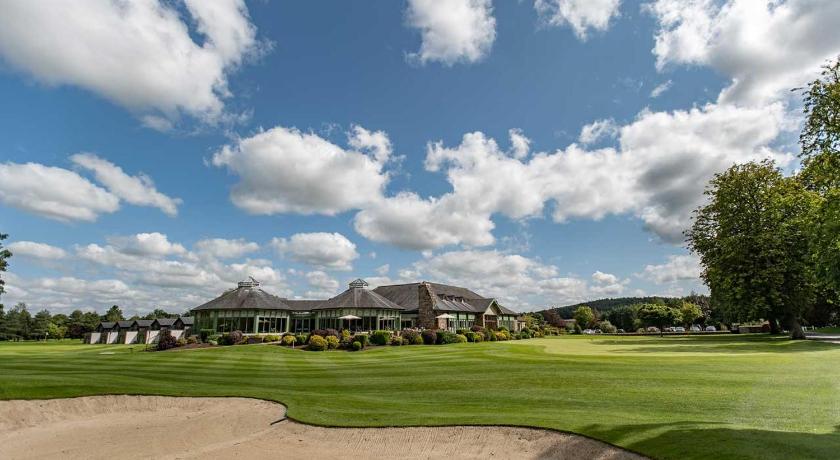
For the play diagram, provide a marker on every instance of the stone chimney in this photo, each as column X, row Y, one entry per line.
column 426, row 306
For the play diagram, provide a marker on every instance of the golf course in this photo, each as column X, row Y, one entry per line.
column 752, row 396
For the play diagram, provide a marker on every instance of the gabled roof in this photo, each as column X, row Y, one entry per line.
column 186, row 320
column 464, row 300
column 144, row 322
column 358, row 297
column 107, row 324
column 164, row 321
column 125, row 324
column 245, row 296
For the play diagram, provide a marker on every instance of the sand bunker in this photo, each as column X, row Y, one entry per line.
column 166, row 427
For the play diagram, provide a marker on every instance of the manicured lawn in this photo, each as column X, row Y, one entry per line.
column 672, row 397
column 829, row 330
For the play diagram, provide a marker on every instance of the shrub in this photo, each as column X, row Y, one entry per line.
column 489, row 335
column 411, row 337
column 500, row 336
column 272, row 338
column 254, row 339
column 213, row 339
column 180, row 342
column 478, row 337
column 300, row 339
column 607, row 327
column 288, row 340
column 525, row 334
column 325, row 332
column 470, row 335
column 445, row 337
column 396, row 341
column 357, row 346
column 380, row 337
column 504, row 329
column 192, row 339
column 460, row 338
column 166, row 341
column 461, row 331
column 236, row 337
column 361, row 338
column 429, row 337
column 317, row 343
column 477, row 328
column 205, row 334
column 332, row 342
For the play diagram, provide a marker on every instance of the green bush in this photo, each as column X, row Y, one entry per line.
column 500, row 335
column 192, row 339
column 300, row 339
column 357, row 345
column 205, row 334
column 288, row 340
column 460, row 338
column 445, row 337
column 461, row 331
column 272, row 338
column 362, row 339
column 429, row 337
column 180, row 342
column 607, row 327
column 213, row 339
column 470, row 335
column 332, row 342
column 317, row 343
column 166, row 341
column 254, row 339
column 396, row 341
column 411, row 337
column 380, row 337
column 478, row 337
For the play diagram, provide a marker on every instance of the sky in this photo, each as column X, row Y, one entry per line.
column 154, row 153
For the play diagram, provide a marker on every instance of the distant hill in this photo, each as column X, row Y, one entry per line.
column 605, row 305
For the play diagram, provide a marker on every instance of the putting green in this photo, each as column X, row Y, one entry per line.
column 672, row 397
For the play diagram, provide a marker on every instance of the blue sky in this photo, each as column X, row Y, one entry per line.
column 545, row 153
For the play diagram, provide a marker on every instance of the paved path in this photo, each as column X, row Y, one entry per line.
column 833, row 338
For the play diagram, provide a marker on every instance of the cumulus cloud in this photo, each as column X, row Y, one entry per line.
column 221, row 248
column 580, row 15
column 375, row 142
column 146, row 244
column 55, row 193
column 766, row 48
column 607, row 284
column 286, row 170
column 331, row 251
column 138, row 190
column 676, row 268
column 597, row 130
column 140, row 55
column 36, row 250
column 322, row 285
column 453, row 31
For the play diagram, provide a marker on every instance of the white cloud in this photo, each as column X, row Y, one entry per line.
column 375, row 142
column 331, row 251
column 55, row 193
column 36, row 250
column 580, row 15
column 323, row 286
column 597, row 130
column 519, row 144
column 383, row 269
column 140, row 55
column 153, row 244
column 221, row 248
column 453, row 31
column 138, row 190
column 606, row 284
column 286, row 170
column 765, row 47
column 676, row 268
column 661, row 88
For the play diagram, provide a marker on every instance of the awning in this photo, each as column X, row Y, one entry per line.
column 349, row 317
column 445, row 316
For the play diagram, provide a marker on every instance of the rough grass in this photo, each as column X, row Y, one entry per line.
column 671, row 397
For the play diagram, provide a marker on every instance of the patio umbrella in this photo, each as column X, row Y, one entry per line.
column 447, row 317
column 349, row 318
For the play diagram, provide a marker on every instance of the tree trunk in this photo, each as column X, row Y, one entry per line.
column 774, row 325
column 796, row 332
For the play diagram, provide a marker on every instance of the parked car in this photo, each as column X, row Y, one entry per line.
column 711, row 329
column 695, row 328
column 589, row 331
column 678, row 329
column 653, row 329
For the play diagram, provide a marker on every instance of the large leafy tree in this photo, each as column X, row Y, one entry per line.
column 584, row 316
column 659, row 315
column 752, row 238
column 4, row 261
column 114, row 314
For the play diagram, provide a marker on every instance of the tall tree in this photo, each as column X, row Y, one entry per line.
column 114, row 314
column 4, row 261
column 752, row 239
column 658, row 315
column 820, row 137
column 41, row 324
column 584, row 316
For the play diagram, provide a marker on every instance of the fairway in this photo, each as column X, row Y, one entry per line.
column 672, row 397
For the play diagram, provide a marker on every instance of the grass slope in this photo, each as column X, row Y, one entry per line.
column 691, row 397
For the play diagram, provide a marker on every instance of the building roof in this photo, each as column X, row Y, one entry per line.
column 107, row 324
column 449, row 298
column 186, row 320
column 144, row 322
column 299, row 305
column 165, row 321
column 247, row 296
column 125, row 324
column 358, row 297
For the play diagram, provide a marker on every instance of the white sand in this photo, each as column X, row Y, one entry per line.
column 165, row 427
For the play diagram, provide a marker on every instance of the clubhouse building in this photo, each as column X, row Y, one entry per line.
column 415, row 305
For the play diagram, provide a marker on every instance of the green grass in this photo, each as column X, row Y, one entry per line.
column 673, row 397
column 829, row 330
